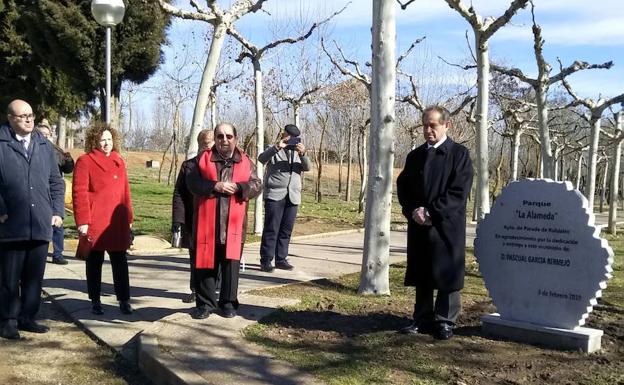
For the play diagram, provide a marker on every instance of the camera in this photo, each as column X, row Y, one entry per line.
column 292, row 143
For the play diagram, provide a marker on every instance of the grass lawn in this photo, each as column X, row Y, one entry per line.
column 345, row 339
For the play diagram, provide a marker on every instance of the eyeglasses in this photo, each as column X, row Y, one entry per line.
column 24, row 116
column 223, row 136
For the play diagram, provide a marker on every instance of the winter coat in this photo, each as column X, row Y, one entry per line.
column 182, row 205
column 101, row 199
column 439, row 180
column 283, row 173
column 31, row 188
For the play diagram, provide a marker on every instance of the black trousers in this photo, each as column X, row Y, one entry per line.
column 22, row 265
column 192, row 255
column 279, row 220
column 121, row 280
column 207, row 279
column 445, row 309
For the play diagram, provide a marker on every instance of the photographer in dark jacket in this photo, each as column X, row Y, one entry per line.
column 66, row 166
column 182, row 207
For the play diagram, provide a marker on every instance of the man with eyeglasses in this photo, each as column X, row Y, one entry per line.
column 31, row 199
column 223, row 179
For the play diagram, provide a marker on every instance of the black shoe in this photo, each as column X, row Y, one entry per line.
column 228, row 313
column 416, row 328
column 266, row 267
column 443, row 332
column 200, row 313
column 60, row 260
column 96, row 308
column 190, row 298
column 283, row 265
column 32, row 326
column 125, row 307
column 9, row 332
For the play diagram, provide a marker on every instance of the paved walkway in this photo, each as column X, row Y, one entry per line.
column 172, row 347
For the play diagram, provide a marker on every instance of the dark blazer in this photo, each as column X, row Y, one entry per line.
column 439, row 180
column 182, row 205
column 31, row 189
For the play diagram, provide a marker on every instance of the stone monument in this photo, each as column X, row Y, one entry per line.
column 544, row 264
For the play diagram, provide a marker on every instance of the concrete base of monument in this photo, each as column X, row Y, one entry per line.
column 581, row 338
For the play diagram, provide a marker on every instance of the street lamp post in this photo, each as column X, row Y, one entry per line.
column 108, row 13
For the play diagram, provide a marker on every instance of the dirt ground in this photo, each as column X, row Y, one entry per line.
column 63, row 356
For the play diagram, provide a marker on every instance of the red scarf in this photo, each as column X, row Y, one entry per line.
column 207, row 214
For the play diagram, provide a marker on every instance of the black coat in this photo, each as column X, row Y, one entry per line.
column 182, row 207
column 31, row 189
column 436, row 253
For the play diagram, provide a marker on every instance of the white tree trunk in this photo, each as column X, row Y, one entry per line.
column 258, row 218
column 296, row 115
column 515, row 154
column 349, row 162
column 613, row 190
column 483, row 94
column 592, row 161
column 61, row 134
column 579, row 170
column 203, row 94
column 213, row 110
column 603, row 189
column 374, row 278
column 548, row 166
column 362, row 151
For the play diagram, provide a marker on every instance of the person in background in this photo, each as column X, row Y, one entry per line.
column 66, row 166
column 282, row 185
column 103, row 212
column 31, row 201
column 223, row 180
column 182, row 207
column 433, row 189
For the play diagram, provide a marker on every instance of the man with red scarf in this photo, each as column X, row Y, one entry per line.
column 222, row 179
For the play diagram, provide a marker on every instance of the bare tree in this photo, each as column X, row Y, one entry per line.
column 221, row 21
column 615, row 175
column 596, row 109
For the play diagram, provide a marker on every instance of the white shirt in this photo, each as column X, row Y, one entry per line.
column 438, row 143
column 25, row 137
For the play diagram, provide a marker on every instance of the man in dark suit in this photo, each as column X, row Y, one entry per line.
column 432, row 190
column 182, row 207
column 31, row 199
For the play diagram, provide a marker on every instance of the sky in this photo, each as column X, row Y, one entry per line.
column 572, row 30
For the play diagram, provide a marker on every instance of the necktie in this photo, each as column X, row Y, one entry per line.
column 25, row 145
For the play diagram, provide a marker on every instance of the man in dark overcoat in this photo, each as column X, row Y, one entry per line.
column 182, row 207
column 432, row 190
column 31, row 200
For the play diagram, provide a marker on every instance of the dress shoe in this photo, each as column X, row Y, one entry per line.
column 32, row 326
column 96, row 308
column 200, row 313
column 9, row 332
column 59, row 260
column 125, row 307
column 416, row 328
column 443, row 331
column 266, row 267
column 228, row 313
column 283, row 265
column 189, row 298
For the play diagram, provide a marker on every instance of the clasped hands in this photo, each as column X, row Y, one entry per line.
column 421, row 216
column 227, row 188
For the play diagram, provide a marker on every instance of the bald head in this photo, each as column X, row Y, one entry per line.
column 21, row 117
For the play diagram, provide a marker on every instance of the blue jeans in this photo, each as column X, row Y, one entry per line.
column 58, row 236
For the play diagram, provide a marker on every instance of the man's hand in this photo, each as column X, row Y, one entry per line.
column 57, row 221
column 227, row 188
column 300, row 148
column 3, row 218
column 82, row 229
column 282, row 143
column 419, row 216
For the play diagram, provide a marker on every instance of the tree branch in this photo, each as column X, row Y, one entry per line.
column 200, row 15
column 407, row 52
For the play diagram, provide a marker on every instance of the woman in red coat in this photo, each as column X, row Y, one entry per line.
column 103, row 212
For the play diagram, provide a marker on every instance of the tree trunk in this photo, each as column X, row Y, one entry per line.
column 579, row 170
column 340, row 164
column 515, row 153
column 296, row 115
column 542, row 117
column 593, row 159
column 483, row 93
column 363, row 166
column 319, row 167
column 61, row 135
column 213, row 110
column 615, row 183
column 205, row 86
column 349, row 163
column 374, row 278
column 603, row 188
column 258, row 218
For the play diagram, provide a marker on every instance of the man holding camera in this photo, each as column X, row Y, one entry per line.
column 284, row 162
